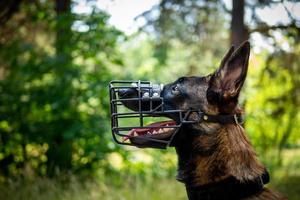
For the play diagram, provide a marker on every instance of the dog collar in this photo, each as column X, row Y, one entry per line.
column 203, row 117
column 220, row 118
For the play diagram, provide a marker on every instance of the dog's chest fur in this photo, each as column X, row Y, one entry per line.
column 200, row 159
column 205, row 159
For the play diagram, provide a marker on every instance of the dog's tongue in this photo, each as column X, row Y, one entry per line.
column 152, row 128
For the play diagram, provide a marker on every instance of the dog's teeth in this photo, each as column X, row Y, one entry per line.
column 135, row 133
column 149, row 133
column 160, row 130
column 168, row 129
column 154, row 132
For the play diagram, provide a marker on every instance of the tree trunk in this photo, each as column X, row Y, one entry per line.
column 59, row 153
column 63, row 30
column 238, row 30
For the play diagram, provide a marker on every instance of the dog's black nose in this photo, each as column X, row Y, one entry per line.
column 130, row 92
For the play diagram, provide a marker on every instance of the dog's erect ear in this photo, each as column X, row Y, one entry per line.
column 227, row 81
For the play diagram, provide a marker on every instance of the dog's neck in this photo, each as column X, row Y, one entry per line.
column 206, row 158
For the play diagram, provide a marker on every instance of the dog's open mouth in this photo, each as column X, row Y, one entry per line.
column 159, row 130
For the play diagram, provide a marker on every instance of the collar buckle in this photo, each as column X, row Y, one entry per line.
column 236, row 119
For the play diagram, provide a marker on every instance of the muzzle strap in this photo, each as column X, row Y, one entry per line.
column 221, row 118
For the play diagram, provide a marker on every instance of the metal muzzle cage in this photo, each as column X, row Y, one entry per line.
column 133, row 105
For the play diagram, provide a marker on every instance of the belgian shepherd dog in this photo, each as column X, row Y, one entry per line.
column 215, row 160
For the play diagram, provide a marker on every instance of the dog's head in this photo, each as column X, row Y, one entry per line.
column 214, row 94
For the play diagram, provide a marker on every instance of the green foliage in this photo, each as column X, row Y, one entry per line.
column 198, row 28
column 53, row 114
column 272, row 104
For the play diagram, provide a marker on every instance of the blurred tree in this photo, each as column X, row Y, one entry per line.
column 193, row 20
column 59, row 154
column 198, row 25
column 238, row 31
column 7, row 9
column 54, row 69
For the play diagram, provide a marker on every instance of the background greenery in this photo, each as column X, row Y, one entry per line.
column 55, row 65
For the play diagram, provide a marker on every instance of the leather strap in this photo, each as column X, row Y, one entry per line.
column 223, row 119
column 220, row 118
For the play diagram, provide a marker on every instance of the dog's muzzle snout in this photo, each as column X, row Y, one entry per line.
column 138, row 115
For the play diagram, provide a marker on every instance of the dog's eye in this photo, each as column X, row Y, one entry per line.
column 175, row 89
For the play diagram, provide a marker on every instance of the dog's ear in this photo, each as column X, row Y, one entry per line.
column 225, row 84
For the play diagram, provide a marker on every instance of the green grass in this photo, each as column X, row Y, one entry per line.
column 285, row 179
column 47, row 189
column 130, row 189
column 289, row 185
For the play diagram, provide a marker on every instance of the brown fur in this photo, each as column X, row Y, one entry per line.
column 232, row 150
column 224, row 153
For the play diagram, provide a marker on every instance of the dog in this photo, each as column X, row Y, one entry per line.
column 215, row 160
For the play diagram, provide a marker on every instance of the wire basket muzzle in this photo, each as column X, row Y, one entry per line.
column 134, row 105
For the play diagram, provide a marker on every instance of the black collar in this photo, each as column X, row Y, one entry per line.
column 221, row 118
column 228, row 189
